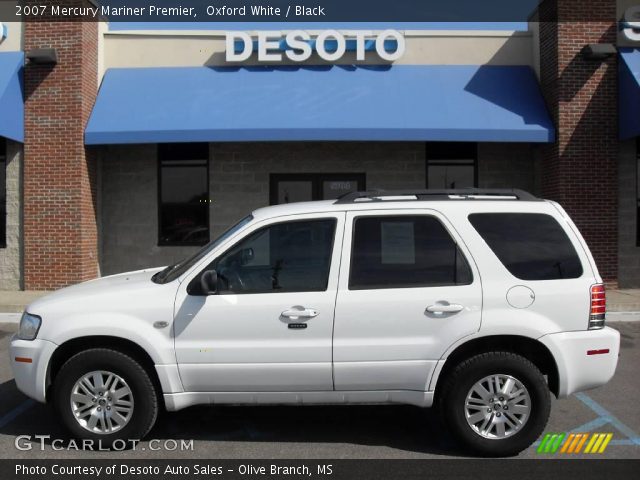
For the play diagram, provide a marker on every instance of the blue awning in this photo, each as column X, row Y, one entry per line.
column 11, row 98
column 629, row 93
column 336, row 103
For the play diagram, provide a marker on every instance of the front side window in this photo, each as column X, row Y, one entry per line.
column 284, row 257
column 183, row 194
column 405, row 251
column 531, row 246
column 3, row 192
column 171, row 272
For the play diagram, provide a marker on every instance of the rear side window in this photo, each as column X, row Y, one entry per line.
column 405, row 251
column 531, row 246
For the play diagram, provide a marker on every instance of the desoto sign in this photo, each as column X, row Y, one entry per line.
column 299, row 45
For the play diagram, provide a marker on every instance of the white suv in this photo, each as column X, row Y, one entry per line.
column 479, row 302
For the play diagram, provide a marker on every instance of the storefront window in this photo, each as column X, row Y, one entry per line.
column 452, row 165
column 305, row 187
column 183, row 194
column 3, row 192
column 638, row 198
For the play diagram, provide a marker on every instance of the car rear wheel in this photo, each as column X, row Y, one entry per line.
column 106, row 396
column 495, row 404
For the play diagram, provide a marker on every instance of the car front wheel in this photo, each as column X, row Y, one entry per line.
column 106, row 396
column 496, row 404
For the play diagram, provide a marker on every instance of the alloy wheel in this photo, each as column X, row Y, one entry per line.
column 497, row 406
column 102, row 402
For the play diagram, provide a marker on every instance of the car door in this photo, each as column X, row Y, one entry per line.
column 411, row 290
column 269, row 326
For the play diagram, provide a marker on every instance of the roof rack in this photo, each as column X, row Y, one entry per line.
column 452, row 194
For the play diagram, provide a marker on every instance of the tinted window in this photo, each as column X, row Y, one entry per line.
column 170, row 273
column 405, row 251
column 531, row 246
column 452, row 165
column 184, row 194
column 286, row 257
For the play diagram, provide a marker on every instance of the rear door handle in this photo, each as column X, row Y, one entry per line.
column 444, row 307
column 297, row 312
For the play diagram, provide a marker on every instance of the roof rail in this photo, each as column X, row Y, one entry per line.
column 452, row 194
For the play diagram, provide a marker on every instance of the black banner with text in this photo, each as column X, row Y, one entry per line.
column 409, row 13
column 476, row 469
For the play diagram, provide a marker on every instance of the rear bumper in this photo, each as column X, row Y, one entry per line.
column 577, row 370
column 31, row 377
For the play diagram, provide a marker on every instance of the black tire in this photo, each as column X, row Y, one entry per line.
column 452, row 398
column 145, row 397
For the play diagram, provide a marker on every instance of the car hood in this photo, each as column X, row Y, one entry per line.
column 114, row 287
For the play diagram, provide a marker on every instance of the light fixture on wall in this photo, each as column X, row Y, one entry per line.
column 598, row 51
column 42, row 56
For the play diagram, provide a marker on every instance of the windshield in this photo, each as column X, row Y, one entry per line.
column 172, row 272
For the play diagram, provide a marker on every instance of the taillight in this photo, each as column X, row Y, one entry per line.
column 598, row 307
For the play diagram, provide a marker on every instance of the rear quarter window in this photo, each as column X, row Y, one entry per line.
column 531, row 246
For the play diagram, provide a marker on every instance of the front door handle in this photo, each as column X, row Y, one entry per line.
column 444, row 307
column 297, row 312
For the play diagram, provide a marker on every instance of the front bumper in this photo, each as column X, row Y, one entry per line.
column 577, row 370
column 31, row 378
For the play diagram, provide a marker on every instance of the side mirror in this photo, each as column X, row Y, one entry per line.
column 209, row 282
column 246, row 255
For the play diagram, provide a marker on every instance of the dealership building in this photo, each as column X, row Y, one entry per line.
column 124, row 149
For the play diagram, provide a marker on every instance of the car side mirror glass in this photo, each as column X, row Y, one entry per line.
column 246, row 255
column 209, row 282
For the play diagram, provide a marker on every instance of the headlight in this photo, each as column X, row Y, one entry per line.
column 29, row 326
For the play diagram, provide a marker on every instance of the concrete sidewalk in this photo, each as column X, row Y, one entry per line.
column 623, row 305
column 618, row 301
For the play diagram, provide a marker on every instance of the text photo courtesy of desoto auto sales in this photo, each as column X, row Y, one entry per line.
column 279, row 239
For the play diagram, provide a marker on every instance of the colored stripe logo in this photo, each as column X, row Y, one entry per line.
column 574, row 443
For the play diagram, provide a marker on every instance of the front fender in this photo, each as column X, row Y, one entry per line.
column 158, row 343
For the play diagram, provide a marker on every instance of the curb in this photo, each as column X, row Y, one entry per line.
column 10, row 317
column 11, row 309
column 622, row 317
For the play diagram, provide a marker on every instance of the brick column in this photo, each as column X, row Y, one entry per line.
column 580, row 169
column 60, row 229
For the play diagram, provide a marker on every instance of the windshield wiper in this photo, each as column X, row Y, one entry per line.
column 162, row 274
